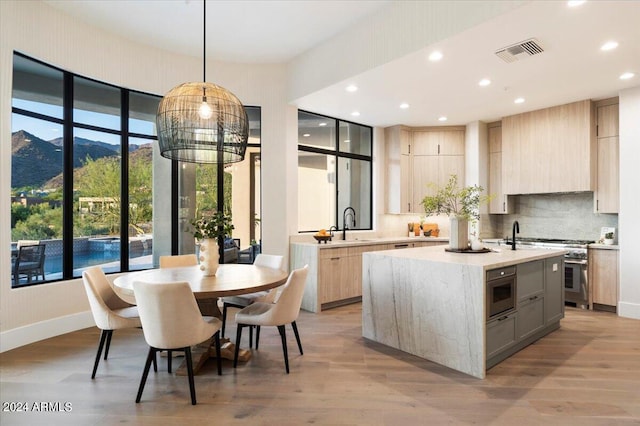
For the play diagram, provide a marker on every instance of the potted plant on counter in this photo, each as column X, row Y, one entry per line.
column 208, row 230
column 460, row 204
column 608, row 238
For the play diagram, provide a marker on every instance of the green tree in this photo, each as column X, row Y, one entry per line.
column 99, row 179
column 42, row 223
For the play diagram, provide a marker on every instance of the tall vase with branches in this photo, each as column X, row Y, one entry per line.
column 461, row 204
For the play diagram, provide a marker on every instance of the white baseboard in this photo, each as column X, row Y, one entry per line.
column 629, row 310
column 31, row 333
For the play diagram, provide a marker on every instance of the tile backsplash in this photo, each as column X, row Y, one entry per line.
column 566, row 215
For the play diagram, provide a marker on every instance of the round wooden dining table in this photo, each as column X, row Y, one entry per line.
column 230, row 280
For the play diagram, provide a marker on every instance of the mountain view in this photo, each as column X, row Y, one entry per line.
column 25, row 148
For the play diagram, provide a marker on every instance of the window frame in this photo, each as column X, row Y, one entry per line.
column 68, row 126
column 336, row 153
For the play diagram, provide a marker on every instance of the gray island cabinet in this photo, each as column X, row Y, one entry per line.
column 434, row 304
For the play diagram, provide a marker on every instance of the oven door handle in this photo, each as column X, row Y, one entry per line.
column 575, row 262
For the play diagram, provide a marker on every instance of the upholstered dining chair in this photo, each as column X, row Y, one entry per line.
column 109, row 311
column 171, row 321
column 269, row 261
column 178, row 260
column 284, row 311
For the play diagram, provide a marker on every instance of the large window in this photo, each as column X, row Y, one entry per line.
column 81, row 182
column 334, row 173
column 200, row 194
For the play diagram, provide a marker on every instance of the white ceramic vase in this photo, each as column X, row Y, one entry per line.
column 209, row 256
column 459, row 234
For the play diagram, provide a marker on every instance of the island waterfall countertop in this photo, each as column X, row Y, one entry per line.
column 432, row 303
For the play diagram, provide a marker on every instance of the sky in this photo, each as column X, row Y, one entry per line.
column 47, row 130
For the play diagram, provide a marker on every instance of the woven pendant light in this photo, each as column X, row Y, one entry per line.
column 202, row 122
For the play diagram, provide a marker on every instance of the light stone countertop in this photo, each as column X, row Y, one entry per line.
column 497, row 258
column 370, row 241
column 604, row 246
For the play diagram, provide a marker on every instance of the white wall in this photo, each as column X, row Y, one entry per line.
column 37, row 30
column 629, row 218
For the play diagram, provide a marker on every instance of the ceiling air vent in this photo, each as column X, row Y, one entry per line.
column 520, row 51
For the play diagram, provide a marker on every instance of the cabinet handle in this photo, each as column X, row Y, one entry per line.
column 401, row 245
column 409, row 205
column 533, row 298
column 334, row 258
column 504, row 206
column 503, row 318
column 597, row 205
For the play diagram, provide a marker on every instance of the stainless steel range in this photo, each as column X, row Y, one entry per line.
column 576, row 289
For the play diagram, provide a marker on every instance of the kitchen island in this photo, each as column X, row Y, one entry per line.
column 433, row 303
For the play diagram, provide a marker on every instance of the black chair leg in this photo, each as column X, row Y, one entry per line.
column 169, row 358
column 295, row 331
column 106, row 348
column 224, row 318
column 216, row 338
column 257, row 336
column 103, row 337
column 237, row 352
column 150, row 357
column 155, row 363
column 250, row 336
column 192, row 386
column 283, row 335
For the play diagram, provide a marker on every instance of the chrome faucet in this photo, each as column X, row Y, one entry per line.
column 344, row 221
column 514, row 229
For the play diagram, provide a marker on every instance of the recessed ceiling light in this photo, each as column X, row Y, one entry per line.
column 442, row 118
column 435, row 56
column 347, row 141
column 484, row 82
column 322, row 124
column 519, row 100
column 355, row 113
column 610, row 45
column 306, row 135
column 627, row 76
column 404, row 105
column 351, row 88
column 575, row 3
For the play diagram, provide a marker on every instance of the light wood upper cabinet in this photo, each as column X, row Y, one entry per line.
column 603, row 277
column 607, row 193
column 499, row 201
column 549, row 150
column 416, row 157
column 608, row 120
column 398, row 179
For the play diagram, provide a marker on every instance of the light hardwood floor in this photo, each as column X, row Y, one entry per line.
column 586, row 373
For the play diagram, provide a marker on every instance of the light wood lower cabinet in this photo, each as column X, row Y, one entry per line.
column 603, row 277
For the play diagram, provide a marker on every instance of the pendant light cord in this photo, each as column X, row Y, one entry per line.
column 204, row 42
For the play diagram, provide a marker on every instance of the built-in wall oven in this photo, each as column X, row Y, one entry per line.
column 501, row 291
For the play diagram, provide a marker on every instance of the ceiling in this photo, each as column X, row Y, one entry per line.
column 572, row 66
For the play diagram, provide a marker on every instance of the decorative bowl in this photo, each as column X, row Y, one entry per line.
column 322, row 238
